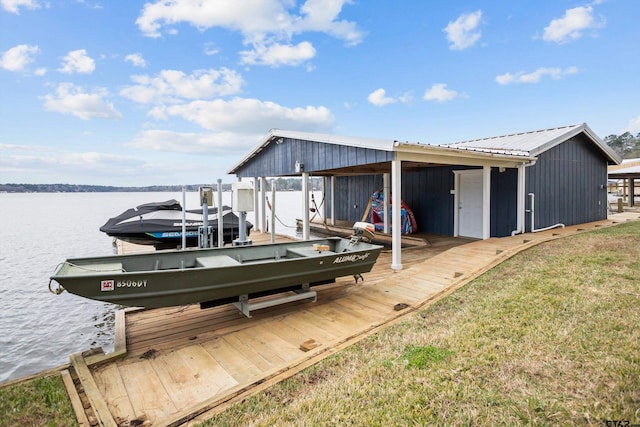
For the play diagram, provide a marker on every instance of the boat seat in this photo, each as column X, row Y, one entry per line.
column 308, row 251
column 87, row 269
column 216, row 261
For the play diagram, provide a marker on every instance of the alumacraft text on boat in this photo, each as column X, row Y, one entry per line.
column 351, row 258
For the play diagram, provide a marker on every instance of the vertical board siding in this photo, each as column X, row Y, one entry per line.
column 568, row 180
column 426, row 191
column 279, row 159
column 569, row 183
column 504, row 200
column 353, row 194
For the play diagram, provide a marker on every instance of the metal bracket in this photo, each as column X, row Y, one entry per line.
column 247, row 307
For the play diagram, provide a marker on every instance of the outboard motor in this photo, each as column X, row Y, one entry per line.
column 363, row 231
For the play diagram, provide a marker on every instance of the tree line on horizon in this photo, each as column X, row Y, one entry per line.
column 282, row 184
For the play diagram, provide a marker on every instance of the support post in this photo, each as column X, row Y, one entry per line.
column 325, row 207
column 522, row 197
column 396, row 220
column 333, row 200
column 220, row 215
column 263, row 204
column 305, row 216
column 184, row 218
column 256, row 198
column 273, row 211
column 486, row 202
column 387, row 197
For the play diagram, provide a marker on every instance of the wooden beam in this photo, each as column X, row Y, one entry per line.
column 76, row 403
column 100, row 409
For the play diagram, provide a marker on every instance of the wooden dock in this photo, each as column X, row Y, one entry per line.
column 179, row 365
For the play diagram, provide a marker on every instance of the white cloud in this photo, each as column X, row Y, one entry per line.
column 91, row 160
column 439, row 92
column 136, row 59
column 321, row 15
column 535, row 77
column 379, row 98
column 633, row 126
column 18, row 57
column 572, row 25
column 248, row 116
column 173, row 85
column 275, row 55
column 210, row 48
column 194, row 143
column 77, row 61
column 73, row 100
column 267, row 26
column 463, row 32
column 14, row 5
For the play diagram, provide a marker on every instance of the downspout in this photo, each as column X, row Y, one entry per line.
column 521, row 195
column 533, row 211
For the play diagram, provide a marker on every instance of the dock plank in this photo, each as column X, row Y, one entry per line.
column 190, row 374
column 234, row 361
column 146, row 392
column 110, row 384
column 260, row 354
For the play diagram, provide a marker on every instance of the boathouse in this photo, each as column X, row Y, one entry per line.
column 483, row 188
column 626, row 173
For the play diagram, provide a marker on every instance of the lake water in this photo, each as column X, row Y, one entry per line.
column 39, row 330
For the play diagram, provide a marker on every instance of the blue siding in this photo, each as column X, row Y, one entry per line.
column 569, row 183
column 504, row 200
column 353, row 194
column 279, row 159
column 427, row 191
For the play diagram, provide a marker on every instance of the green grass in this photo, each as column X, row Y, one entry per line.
column 39, row 402
column 550, row 337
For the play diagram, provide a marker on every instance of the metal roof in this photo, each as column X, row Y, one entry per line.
column 521, row 145
column 633, row 170
column 535, row 142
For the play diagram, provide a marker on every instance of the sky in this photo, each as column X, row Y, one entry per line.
column 170, row 92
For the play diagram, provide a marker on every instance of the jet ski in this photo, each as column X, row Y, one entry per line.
column 160, row 224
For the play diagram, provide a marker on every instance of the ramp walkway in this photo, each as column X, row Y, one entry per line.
column 180, row 365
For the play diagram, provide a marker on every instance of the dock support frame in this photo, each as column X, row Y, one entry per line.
column 247, row 307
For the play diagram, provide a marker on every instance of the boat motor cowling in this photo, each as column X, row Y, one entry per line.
column 364, row 231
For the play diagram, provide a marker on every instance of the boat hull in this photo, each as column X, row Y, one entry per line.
column 173, row 278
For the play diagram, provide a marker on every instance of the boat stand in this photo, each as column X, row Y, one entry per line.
column 247, row 307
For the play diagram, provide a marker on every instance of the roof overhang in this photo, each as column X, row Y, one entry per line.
column 632, row 171
column 275, row 135
column 423, row 153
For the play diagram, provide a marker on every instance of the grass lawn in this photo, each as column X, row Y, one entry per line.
column 550, row 337
column 39, row 402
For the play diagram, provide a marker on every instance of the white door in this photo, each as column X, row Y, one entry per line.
column 470, row 204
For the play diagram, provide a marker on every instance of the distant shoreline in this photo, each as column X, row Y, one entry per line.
column 282, row 184
column 71, row 188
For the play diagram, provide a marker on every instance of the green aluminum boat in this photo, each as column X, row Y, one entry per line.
column 214, row 276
